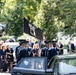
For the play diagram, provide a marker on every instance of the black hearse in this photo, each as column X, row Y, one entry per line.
column 58, row 65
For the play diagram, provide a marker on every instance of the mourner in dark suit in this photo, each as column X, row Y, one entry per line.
column 71, row 47
column 61, row 47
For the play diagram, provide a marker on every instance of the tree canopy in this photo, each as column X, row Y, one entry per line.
column 14, row 11
column 51, row 16
column 47, row 19
column 54, row 15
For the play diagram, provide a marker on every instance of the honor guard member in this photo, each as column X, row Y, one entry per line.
column 53, row 51
column 44, row 51
column 26, row 51
column 18, row 49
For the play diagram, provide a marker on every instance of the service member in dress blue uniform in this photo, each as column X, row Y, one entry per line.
column 18, row 49
column 53, row 50
column 17, row 53
column 44, row 51
column 26, row 51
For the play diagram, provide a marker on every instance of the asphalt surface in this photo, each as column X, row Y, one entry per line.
column 5, row 74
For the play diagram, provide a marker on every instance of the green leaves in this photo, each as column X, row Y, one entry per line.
column 54, row 15
column 47, row 19
column 14, row 12
column 49, row 15
column 30, row 9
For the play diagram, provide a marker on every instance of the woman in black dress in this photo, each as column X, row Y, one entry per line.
column 3, row 59
column 36, row 50
column 3, row 53
column 10, row 58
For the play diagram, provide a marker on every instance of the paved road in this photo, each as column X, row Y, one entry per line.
column 5, row 74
